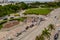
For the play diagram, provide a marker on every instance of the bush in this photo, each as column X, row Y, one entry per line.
column 2, row 22
column 1, row 26
column 19, row 19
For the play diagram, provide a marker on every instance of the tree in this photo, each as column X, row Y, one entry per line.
column 34, row 4
column 37, row 38
column 46, row 33
column 51, row 27
column 41, row 37
column 23, row 5
column 8, row 9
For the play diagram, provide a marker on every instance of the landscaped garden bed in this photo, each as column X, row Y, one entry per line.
column 9, row 23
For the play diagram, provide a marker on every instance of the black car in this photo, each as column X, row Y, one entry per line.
column 56, row 36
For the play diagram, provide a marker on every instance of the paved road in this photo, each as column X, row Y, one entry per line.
column 38, row 30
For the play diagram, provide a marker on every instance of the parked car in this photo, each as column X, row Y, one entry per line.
column 56, row 36
column 31, row 25
column 27, row 28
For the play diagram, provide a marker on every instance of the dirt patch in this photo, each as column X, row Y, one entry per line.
column 10, row 24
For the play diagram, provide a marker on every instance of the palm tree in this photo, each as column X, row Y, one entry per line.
column 41, row 37
column 51, row 27
column 46, row 33
column 37, row 38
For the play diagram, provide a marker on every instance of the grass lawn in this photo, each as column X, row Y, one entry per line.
column 38, row 11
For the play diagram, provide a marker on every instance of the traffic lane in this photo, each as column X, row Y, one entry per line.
column 34, row 33
column 30, row 30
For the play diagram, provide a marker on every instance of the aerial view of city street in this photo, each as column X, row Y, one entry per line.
column 29, row 19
